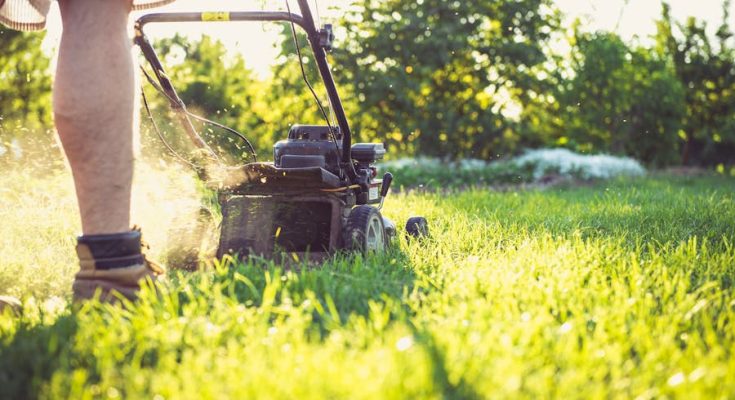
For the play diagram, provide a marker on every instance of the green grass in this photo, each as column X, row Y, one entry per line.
column 617, row 290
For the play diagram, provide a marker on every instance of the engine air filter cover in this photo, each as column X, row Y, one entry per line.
column 367, row 153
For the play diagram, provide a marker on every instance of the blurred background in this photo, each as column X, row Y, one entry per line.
column 486, row 79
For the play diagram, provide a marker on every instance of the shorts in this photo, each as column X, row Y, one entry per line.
column 30, row 15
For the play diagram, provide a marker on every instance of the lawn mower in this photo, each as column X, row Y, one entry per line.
column 320, row 194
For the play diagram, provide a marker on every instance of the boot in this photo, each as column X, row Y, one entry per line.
column 112, row 264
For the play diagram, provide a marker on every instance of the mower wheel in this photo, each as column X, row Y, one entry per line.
column 364, row 230
column 417, row 227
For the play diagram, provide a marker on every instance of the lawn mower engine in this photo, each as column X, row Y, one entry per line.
column 299, row 204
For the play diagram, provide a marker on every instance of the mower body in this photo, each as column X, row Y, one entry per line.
column 298, row 205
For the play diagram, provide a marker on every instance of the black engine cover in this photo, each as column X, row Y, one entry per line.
column 309, row 146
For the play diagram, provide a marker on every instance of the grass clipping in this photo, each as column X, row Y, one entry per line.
column 41, row 221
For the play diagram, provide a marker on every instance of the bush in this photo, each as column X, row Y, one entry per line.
column 432, row 172
column 532, row 166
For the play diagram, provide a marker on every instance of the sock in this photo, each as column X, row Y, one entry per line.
column 109, row 251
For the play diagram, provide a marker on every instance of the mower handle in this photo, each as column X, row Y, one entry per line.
column 305, row 21
column 220, row 16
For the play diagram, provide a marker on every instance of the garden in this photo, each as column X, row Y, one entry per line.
column 580, row 205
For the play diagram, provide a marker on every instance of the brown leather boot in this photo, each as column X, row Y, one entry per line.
column 112, row 265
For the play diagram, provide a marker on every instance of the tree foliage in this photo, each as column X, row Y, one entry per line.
column 25, row 89
column 217, row 84
column 620, row 100
column 452, row 79
column 707, row 72
column 287, row 98
column 435, row 77
column 214, row 84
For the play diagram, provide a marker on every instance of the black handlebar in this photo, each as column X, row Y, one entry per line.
column 305, row 21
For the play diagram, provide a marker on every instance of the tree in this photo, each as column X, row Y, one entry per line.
column 707, row 72
column 218, row 85
column 25, row 89
column 619, row 99
column 436, row 77
column 214, row 84
column 288, row 100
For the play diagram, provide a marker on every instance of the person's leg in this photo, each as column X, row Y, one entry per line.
column 94, row 114
column 94, row 106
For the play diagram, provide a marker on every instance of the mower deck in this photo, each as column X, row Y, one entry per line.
column 303, row 226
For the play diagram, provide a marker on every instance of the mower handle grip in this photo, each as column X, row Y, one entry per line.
column 387, row 180
column 220, row 16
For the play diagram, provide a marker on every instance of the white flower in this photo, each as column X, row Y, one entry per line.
column 471, row 164
column 571, row 164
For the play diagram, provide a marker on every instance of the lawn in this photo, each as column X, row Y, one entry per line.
column 619, row 289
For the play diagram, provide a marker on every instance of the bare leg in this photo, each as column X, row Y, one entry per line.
column 94, row 108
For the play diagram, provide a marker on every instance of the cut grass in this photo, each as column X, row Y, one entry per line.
column 621, row 289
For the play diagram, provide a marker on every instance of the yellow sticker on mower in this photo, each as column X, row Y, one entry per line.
column 215, row 16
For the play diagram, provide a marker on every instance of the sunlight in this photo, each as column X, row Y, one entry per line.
column 257, row 41
column 632, row 19
column 554, row 218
